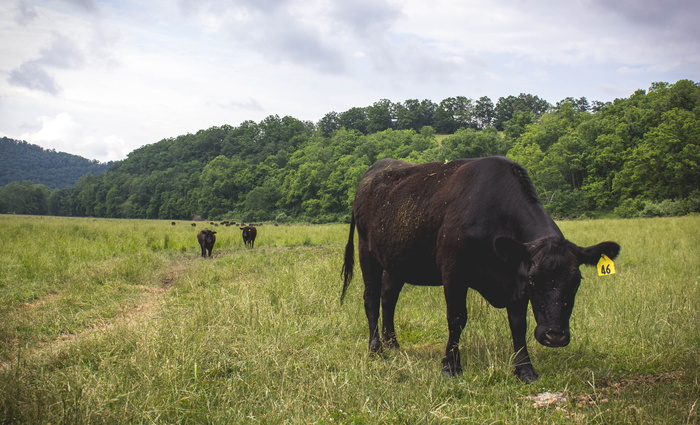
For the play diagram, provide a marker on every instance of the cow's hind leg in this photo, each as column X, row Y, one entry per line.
column 391, row 287
column 517, row 319
column 372, row 275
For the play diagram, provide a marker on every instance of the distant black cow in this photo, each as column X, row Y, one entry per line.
column 249, row 234
column 469, row 223
column 206, row 240
column 194, row 225
column 173, row 223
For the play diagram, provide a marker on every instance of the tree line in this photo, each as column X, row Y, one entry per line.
column 22, row 161
column 636, row 156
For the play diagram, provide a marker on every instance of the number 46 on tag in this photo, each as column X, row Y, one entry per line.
column 605, row 266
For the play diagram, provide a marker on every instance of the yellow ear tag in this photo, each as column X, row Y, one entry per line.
column 605, row 266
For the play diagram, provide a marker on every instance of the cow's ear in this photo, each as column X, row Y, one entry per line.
column 590, row 255
column 509, row 250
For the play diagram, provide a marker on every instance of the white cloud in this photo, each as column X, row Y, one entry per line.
column 54, row 129
column 63, row 133
column 25, row 13
column 102, row 78
column 112, row 147
column 33, row 76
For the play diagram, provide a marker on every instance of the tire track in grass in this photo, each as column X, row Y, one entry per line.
column 145, row 308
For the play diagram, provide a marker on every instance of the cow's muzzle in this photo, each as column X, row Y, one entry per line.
column 552, row 337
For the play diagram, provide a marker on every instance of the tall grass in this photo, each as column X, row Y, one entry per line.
column 121, row 321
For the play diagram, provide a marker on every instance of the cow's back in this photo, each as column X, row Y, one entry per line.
column 409, row 215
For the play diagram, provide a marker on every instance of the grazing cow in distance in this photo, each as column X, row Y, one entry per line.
column 172, row 224
column 249, row 234
column 206, row 240
column 469, row 223
column 194, row 224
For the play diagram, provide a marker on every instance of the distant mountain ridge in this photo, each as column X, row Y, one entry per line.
column 22, row 161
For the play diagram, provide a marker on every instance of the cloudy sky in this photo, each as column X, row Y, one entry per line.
column 100, row 78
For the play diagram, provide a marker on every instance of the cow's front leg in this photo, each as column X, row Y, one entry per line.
column 517, row 319
column 390, row 295
column 456, row 299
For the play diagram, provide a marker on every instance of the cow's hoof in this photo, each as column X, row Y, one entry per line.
column 375, row 346
column 527, row 374
column 450, row 370
column 392, row 344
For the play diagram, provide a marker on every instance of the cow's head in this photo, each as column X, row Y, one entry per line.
column 548, row 274
column 208, row 235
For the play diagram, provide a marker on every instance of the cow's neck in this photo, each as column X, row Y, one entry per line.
column 536, row 224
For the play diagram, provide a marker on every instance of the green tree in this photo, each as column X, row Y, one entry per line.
column 666, row 165
column 355, row 119
column 23, row 161
column 506, row 107
column 470, row 143
column 529, row 155
column 414, row 114
column 261, row 201
column 222, row 184
column 24, row 198
column 329, row 123
column 484, row 113
column 454, row 113
column 634, row 155
column 515, row 127
column 380, row 116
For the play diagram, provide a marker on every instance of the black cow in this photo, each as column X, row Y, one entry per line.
column 206, row 240
column 249, row 234
column 469, row 223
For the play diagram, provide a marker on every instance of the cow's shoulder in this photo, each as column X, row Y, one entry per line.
column 495, row 164
column 387, row 167
column 391, row 170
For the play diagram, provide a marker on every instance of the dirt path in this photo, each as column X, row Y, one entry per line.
column 146, row 307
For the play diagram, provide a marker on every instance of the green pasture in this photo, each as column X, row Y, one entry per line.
column 121, row 321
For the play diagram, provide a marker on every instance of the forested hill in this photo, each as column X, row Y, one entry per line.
column 22, row 162
column 634, row 156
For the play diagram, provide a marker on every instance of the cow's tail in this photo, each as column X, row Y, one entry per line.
column 349, row 259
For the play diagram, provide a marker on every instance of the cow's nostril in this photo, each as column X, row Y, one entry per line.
column 556, row 338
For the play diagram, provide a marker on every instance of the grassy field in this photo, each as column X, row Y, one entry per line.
column 121, row 321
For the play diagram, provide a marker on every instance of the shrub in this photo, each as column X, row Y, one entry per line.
column 665, row 208
column 672, row 208
column 629, row 208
